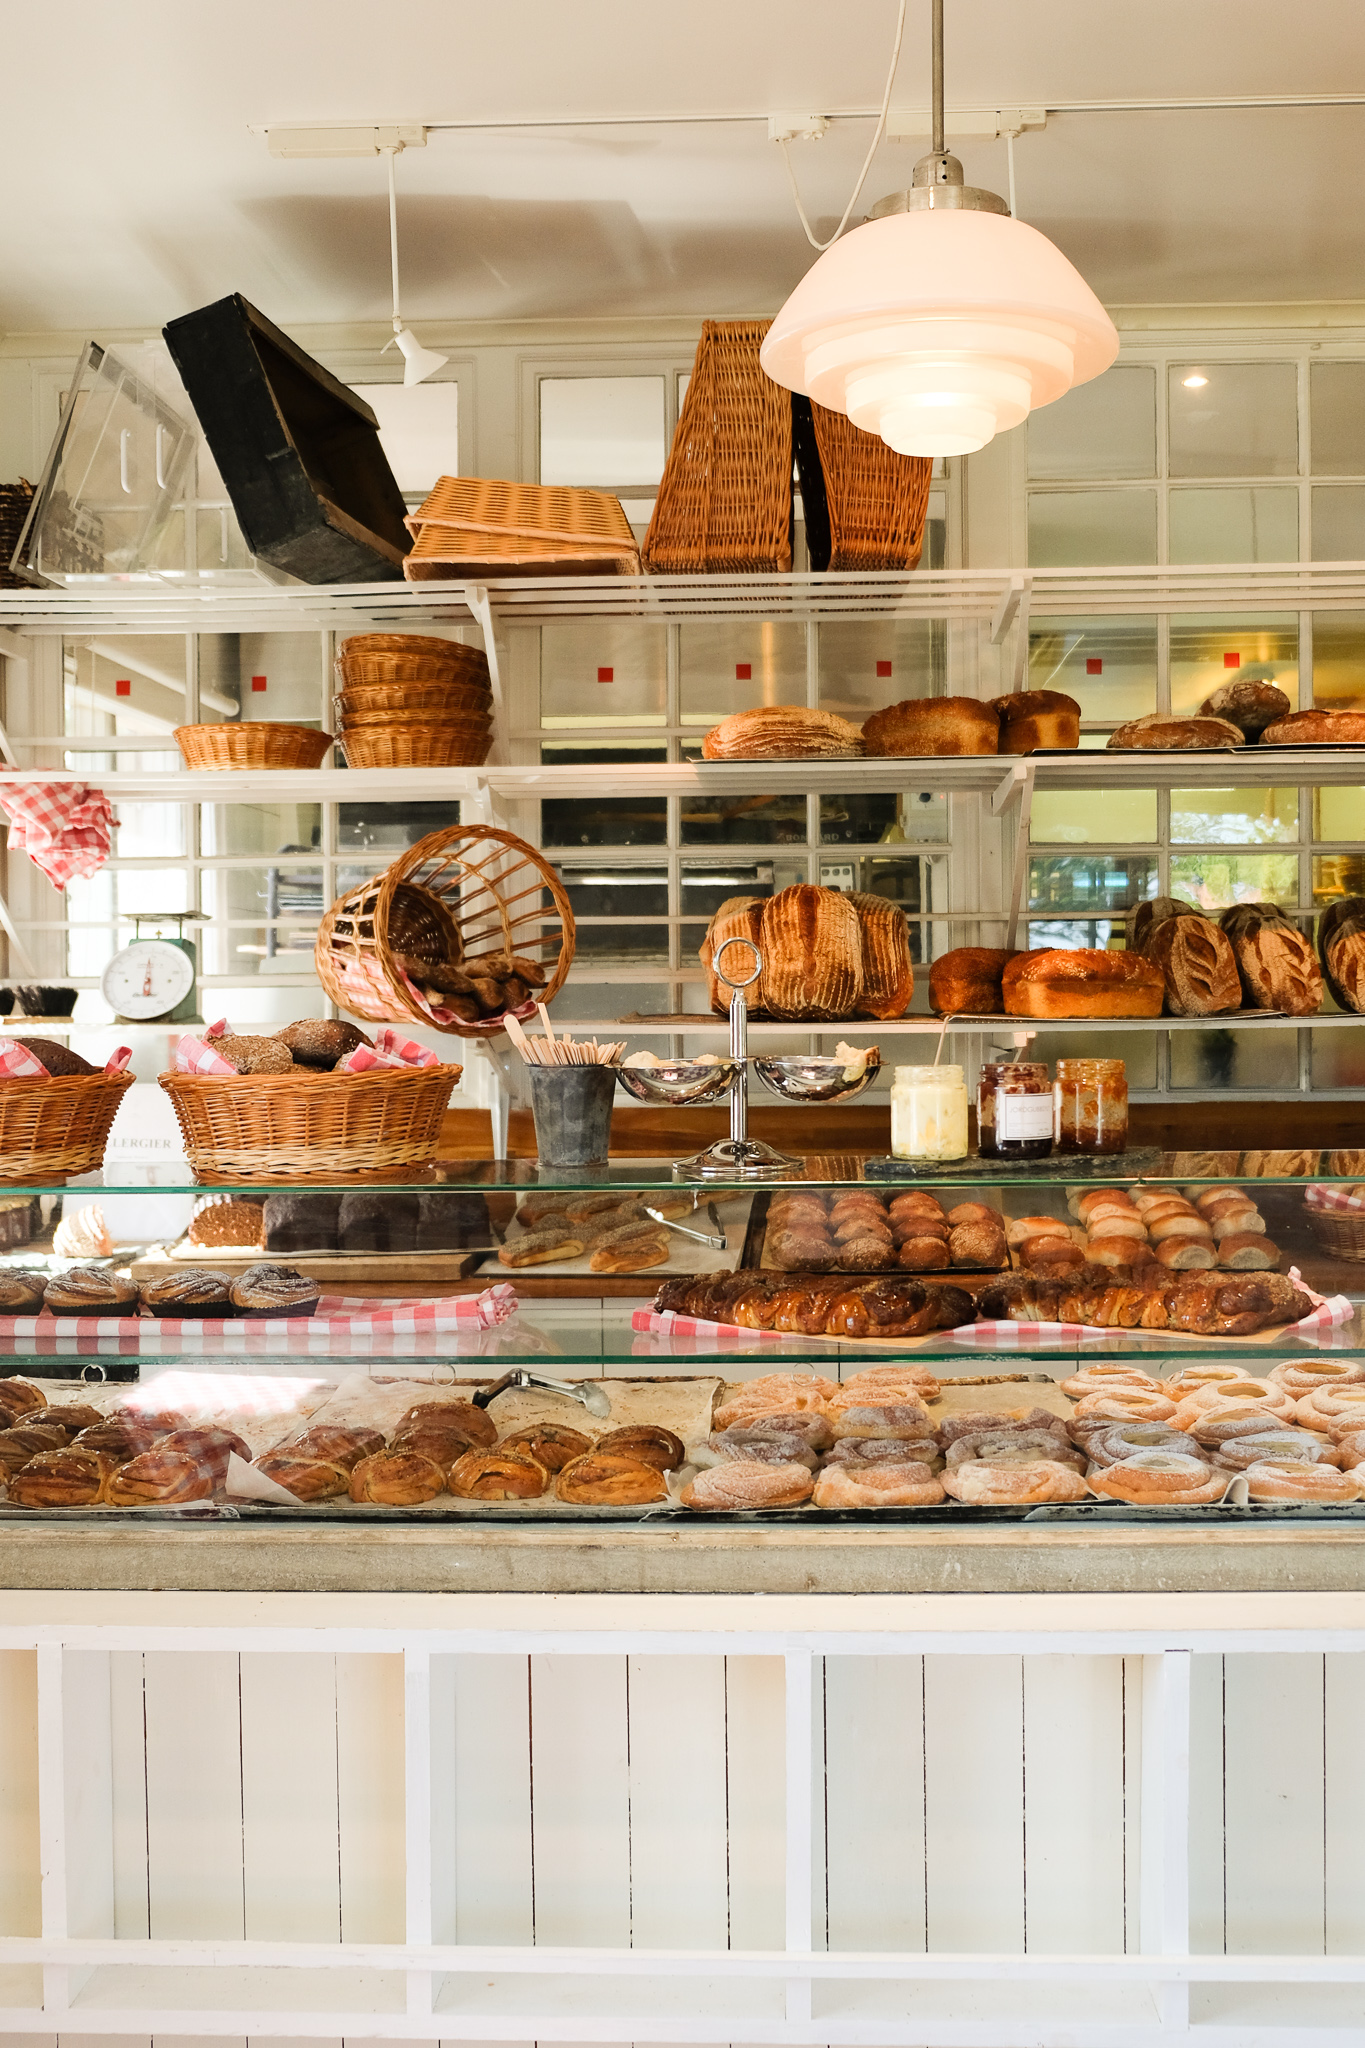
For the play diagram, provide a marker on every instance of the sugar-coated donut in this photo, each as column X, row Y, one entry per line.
column 1242, row 1393
column 1092, row 1379
column 877, row 1485
column 1301, row 1482
column 877, row 1418
column 738, row 1488
column 981, row 1483
column 775, row 1393
column 1159, row 1479
column 1015, row 1447
column 1272, row 1447
column 1124, row 1404
column 1350, row 1450
column 1220, row 1424
column 1188, row 1381
column 1338, row 1410
column 901, row 1381
column 1125, row 1439
column 1318, row 1376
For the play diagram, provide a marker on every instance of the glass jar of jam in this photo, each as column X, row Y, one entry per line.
column 1014, row 1110
column 1090, row 1106
column 929, row 1113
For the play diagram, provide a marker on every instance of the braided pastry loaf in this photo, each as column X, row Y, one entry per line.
column 1150, row 1298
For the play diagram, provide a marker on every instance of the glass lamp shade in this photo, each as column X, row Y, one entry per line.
column 938, row 328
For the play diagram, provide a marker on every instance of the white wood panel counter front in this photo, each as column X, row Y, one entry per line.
column 993, row 1820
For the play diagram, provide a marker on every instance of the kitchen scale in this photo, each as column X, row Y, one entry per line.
column 153, row 981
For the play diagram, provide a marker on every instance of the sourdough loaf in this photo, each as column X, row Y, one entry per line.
column 1154, row 912
column 1316, row 729
column 888, row 974
column 1160, row 734
column 1249, row 703
column 934, row 725
column 1082, row 982
column 1341, row 949
column 812, row 945
column 1274, row 960
column 739, row 917
column 1038, row 718
column 966, row 981
column 1198, row 964
column 782, row 732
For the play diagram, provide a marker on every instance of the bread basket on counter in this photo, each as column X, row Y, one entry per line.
column 1336, row 1217
column 458, row 899
column 284, row 1129
column 55, row 1125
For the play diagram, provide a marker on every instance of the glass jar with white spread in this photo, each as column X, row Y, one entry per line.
column 929, row 1113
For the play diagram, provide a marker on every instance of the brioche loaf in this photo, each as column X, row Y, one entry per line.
column 888, row 975
column 966, row 982
column 1198, row 964
column 1274, row 960
column 934, row 725
column 1082, row 982
column 1037, row 718
column 1160, row 734
column 1316, row 729
column 812, row 945
column 1249, row 704
column 782, row 732
column 1341, row 949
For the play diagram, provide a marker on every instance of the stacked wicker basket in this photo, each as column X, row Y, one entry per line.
column 407, row 700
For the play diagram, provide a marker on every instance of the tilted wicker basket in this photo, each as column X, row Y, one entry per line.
column 489, row 526
column 464, row 894
column 56, row 1126
column 287, row 1128
column 865, row 506
column 253, row 744
column 725, row 502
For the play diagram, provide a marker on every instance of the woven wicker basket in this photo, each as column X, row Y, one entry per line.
column 486, row 526
column 1340, row 1232
column 453, row 745
column 725, row 502
column 287, row 1128
column 50, row 1128
column 462, row 894
column 253, row 744
column 426, row 703
column 15, row 500
column 361, row 645
column 865, row 506
column 423, row 669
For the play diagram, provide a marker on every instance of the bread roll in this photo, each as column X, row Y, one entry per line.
column 1274, row 959
column 1178, row 1224
column 966, row 982
column 933, row 725
column 1021, row 1228
column 1199, row 965
column 1082, row 982
column 1341, row 950
column 1235, row 1221
column 978, row 1244
column 923, row 1255
column 888, row 974
column 739, row 917
column 1185, row 1254
column 812, row 946
column 1248, row 1251
column 1114, row 1223
column 782, row 732
column 1119, row 1251
column 1316, row 729
column 600, row 1480
column 1051, row 1251
column 1161, row 734
column 1037, row 718
column 1249, row 704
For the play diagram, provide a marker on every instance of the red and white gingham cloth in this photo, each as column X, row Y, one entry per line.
column 340, row 1320
column 389, row 1050
column 1319, row 1197
column 17, row 1063
column 192, row 1056
column 65, row 828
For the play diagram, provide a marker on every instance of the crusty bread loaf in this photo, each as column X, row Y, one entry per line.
column 1341, row 950
column 782, row 732
column 1199, row 965
column 1278, row 1165
column 888, row 974
column 739, row 917
column 1037, row 718
column 1155, row 911
column 966, row 982
column 1160, row 734
column 812, row 946
column 1249, row 704
column 1274, row 959
column 933, row 725
column 1082, row 982
column 1316, row 729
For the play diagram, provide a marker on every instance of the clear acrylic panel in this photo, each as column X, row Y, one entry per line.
column 1106, row 428
column 864, row 667
column 737, row 665
column 603, row 672
column 1233, row 419
column 602, row 431
column 1336, row 412
column 1090, row 529
column 1338, row 1059
column 1137, row 1049
column 604, row 821
column 1226, row 1058
column 1256, row 523
column 260, row 828
column 1339, row 522
column 706, row 885
column 1234, row 817
column 1208, row 652
column 1090, row 885
column 100, row 909
column 1092, row 817
column 149, row 831
column 1338, row 659
column 635, row 899
column 1107, row 665
column 1216, row 879
column 277, row 907
column 383, row 829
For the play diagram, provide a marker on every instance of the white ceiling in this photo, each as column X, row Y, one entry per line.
column 135, row 191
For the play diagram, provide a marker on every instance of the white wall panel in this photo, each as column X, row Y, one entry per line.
column 20, row 1896
column 678, row 1835
column 493, row 1862
column 1344, row 1805
column 974, row 1720
column 369, row 1791
column 755, row 1762
column 1273, row 1822
column 1074, row 1805
column 874, row 1796
column 580, row 1800
column 290, row 1876
column 194, row 1796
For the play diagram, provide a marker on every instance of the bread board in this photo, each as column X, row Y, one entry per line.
column 1130, row 1165
column 337, row 1269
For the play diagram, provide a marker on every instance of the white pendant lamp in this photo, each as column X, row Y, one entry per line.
column 942, row 320
column 418, row 362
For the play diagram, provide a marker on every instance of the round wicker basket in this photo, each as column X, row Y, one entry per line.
column 378, row 669
column 360, row 645
column 425, row 702
column 53, row 1127
column 301, row 1126
column 451, row 745
column 1340, row 1232
column 462, row 895
column 253, row 744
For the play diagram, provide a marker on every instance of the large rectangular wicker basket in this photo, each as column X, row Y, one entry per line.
column 725, row 502
column 865, row 505
column 53, row 1127
column 300, row 1127
column 486, row 526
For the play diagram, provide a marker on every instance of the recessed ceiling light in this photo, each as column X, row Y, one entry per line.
column 1195, row 383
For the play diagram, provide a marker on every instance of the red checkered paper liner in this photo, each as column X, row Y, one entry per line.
column 65, row 828
column 340, row 1319
column 388, row 1050
column 361, row 978
column 17, row 1063
column 1318, row 1197
column 192, row 1056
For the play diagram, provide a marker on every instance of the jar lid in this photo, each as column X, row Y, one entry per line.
column 923, row 1077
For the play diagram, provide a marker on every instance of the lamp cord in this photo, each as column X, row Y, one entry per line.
column 393, row 237
column 867, row 160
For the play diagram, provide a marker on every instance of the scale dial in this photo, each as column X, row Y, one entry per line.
column 147, row 980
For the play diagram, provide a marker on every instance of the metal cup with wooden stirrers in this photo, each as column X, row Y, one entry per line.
column 738, row 1157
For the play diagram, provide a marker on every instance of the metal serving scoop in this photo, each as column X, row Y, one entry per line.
column 587, row 1395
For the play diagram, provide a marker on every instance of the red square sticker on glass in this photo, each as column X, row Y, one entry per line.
column 606, row 675
column 1232, row 661
column 123, row 687
column 258, row 682
column 743, row 671
column 883, row 668
column 1094, row 665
